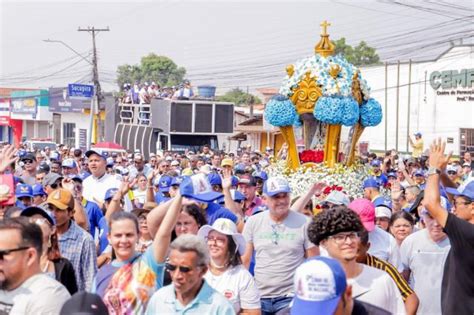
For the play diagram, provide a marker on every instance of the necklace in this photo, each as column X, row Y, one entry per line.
column 213, row 264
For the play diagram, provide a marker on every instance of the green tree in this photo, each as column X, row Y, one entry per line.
column 239, row 97
column 359, row 55
column 152, row 68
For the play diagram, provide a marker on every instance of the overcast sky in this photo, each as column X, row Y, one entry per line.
column 224, row 43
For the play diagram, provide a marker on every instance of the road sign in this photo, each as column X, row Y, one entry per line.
column 80, row 91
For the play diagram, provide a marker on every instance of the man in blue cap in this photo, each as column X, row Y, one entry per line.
column 24, row 194
column 216, row 181
column 280, row 241
column 69, row 167
column 39, row 195
column 377, row 173
column 163, row 193
column 457, row 288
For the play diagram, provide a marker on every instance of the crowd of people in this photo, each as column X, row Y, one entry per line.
column 216, row 233
column 143, row 93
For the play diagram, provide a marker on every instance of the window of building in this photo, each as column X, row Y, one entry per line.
column 69, row 134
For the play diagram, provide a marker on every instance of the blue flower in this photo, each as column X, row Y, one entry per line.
column 371, row 113
column 337, row 110
column 280, row 111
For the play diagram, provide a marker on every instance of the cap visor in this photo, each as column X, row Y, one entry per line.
column 302, row 307
column 165, row 189
column 452, row 191
column 369, row 226
column 57, row 204
column 24, row 195
column 276, row 192
column 206, row 197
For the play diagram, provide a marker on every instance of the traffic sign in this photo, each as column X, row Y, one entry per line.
column 80, row 91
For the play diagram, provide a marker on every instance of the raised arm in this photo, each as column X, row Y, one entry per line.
column 162, row 238
column 438, row 160
column 150, row 193
column 229, row 202
column 114, row 205
column 155, row 217
column 301, row 202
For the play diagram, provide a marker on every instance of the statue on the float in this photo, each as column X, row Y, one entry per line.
column 323, row 92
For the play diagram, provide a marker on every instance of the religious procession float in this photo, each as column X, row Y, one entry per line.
column 320, row 94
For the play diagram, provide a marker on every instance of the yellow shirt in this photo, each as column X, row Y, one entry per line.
column 417, row 146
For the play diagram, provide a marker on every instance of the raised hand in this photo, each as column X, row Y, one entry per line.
column 318, row 188
column 438, row 159
column 226, row 178
column 7, row 157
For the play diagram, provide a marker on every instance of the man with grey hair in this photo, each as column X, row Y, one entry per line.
column 189, row 292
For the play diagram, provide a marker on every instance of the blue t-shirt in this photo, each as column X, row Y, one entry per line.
column 103, row 231
column 94, row 213
column 160, row 198
column 215, row 211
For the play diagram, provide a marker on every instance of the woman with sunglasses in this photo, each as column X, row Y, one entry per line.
column 226, row 273
column 51, row 261
column 118, row 281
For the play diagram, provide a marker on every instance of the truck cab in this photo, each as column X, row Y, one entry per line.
column 174, row 125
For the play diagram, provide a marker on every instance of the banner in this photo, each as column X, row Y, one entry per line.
column 24, row 105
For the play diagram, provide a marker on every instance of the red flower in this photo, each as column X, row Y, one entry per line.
column 314, row 156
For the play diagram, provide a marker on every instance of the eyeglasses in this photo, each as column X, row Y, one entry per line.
column 182, row 269
column 28, row 161
column 9, row 251
column 341, row 238
column 451, row 173
column 218, row 241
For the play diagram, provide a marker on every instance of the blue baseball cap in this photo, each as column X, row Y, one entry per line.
column 84, row 175
column 319, row 285
column 177, row 180
column 237, row 196
column 392, row 174
column 466, row 190
column 23, row 190
column 198, row 187
column 276, row 185
column 381, row 201
column 91, row 152
column 370, row 183
column 418, row 134
column 165, row 183
column 69, row 163
column 110, row 193
column 54, row 156
column 235, row 180
column 260, row 174
column 419, row 173
column 31, row 211
column 214, row 179
column 375, row 163
column 38, row 190
column 76, row 178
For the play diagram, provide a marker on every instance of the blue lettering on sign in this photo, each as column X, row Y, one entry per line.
column 80, row 91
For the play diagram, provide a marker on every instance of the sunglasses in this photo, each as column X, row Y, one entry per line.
column 182, row 269
column 28, row 161
column 9, row 251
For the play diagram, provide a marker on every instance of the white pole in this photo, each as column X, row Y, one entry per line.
column 91, row 123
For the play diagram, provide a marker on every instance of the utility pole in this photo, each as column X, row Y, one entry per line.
column 95, row 74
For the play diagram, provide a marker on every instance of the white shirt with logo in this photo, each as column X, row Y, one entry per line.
column 238, row 286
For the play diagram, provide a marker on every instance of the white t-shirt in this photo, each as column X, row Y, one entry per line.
column 384, row 246
column 425, row 259
column 94, row 189
column 38, row 295
column 238, row 286
column 375, row 286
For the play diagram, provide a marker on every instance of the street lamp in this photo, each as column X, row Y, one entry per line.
column 91, row 118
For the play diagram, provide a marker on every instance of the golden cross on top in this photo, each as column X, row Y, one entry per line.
column 325, row 25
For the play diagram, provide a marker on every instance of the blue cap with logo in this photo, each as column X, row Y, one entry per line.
column 275, row 185
column 177, row 180
column 54, row 156
column 214, row 179
column 375, row 163
column 23, row 190
column 466, row 190
column 392, row 174
column 198, row 187
column 91, row 152
column 110, row 193
column 419, row 172
column 260, row 174
column 319, row 284
column 165, row 183
column 69, row 163
column 38, row 190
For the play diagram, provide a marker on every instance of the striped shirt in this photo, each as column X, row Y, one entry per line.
column 401, row 283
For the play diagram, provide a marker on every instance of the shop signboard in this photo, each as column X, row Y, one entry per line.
column 24, row 105
column 61, row 102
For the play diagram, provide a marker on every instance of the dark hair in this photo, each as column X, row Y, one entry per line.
column 198, row 215
column 401, row 215
column 364, row 237
column 122, row 215
column 30, row 233
column 234, row 256
column 333, row 221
